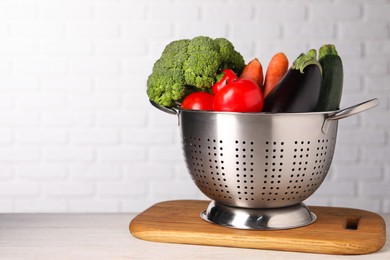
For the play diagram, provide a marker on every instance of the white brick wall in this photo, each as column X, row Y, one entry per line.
column 77, row 133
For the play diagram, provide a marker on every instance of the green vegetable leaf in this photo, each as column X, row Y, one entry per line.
column 305, row 60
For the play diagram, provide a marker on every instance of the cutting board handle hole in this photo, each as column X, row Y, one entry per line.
column 352, row 223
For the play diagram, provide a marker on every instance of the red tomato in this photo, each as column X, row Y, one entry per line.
column 242, row 95
column 198, row 101
column 228, row 77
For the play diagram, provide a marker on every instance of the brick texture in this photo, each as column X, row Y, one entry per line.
column 78, row 134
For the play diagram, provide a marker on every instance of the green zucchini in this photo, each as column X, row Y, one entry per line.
column 332, row 79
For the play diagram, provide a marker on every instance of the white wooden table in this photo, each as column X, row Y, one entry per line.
column 106, row 236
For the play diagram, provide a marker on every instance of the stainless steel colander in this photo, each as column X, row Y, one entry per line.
column 260, row 165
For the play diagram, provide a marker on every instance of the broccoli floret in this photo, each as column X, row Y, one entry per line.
column 203, row 62
column 166, row 86
column 231, row 59
column 189, row 65
column 174, row 55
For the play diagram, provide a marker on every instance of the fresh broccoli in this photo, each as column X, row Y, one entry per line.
column 231, row 59
column 165, row 86
column 191, row 65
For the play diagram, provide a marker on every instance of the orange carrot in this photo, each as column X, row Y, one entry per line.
column 254, row 71
column 277, row 67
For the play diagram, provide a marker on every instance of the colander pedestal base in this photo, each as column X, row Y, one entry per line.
column 294, row 216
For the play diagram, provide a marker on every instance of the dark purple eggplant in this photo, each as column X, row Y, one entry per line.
column 299, row 89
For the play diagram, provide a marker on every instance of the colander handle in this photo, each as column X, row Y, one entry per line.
column 169, row 110
column 352, row 110
column 349, row 111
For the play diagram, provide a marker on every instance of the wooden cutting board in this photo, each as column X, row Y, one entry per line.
column 336, row 230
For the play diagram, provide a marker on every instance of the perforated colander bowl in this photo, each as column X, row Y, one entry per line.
column 260, row 160
column 257, row 161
